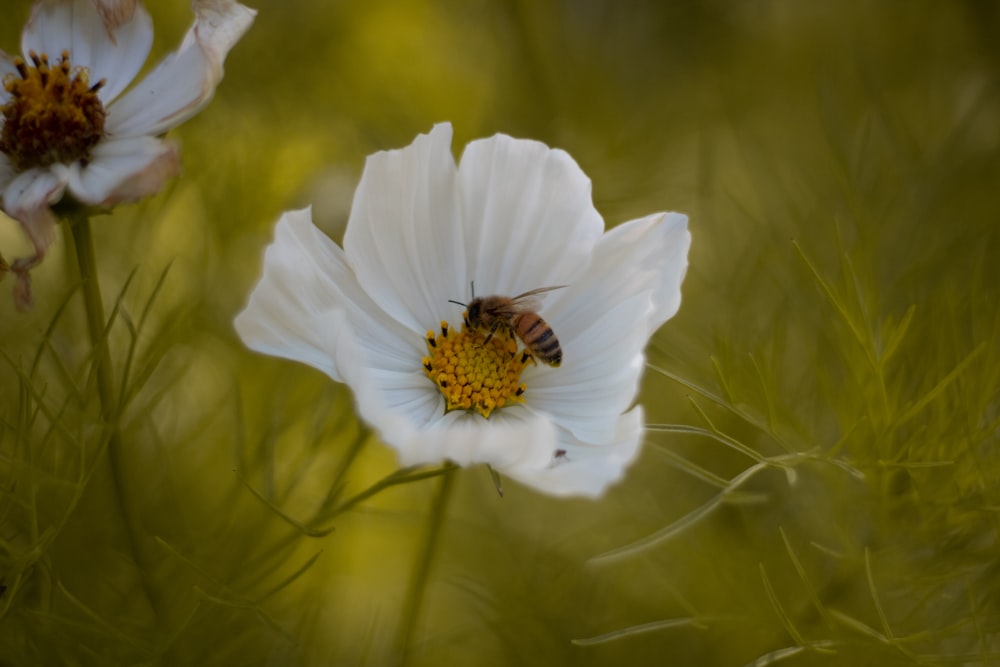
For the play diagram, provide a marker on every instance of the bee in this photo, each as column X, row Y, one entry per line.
column 516, row 314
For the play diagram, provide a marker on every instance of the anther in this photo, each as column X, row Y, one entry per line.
column 52, row 113
column 475, row 371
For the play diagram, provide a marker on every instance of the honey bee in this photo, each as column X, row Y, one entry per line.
column 516, row 314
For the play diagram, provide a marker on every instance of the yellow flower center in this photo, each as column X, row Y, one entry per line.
column 53, row 115
column 473, row 373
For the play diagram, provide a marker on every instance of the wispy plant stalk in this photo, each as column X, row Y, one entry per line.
column 421, row 572
column 83, row 242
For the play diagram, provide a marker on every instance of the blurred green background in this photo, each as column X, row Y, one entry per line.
column 820, row 481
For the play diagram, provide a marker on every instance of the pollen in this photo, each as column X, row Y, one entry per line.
column 475, row 374
column 53, row 115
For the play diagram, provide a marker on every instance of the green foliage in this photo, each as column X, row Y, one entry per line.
column 820, row 483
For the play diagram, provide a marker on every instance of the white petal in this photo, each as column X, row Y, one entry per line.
column 308, row 307
column 673, row 266
column 602, row 365
column 509, row 438
column 586, row 470
column 529, row 219
column 30, row 192
column 604, row 321
column 421, row 433
column 185, row 81
column 27, row 199
column 305, row 279
column 404, row 235
column 124, row 170
column 114, row 53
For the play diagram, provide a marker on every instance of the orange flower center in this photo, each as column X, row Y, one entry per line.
column 53, row 115
column 473, row 373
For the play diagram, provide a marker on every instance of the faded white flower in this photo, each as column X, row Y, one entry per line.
column 68, row 122
column 512, row 217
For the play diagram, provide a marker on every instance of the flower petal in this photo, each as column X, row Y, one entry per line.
column 529, row 218
column 309, row 307
column 404, row 235
column 586, row 470
column 511, row 438
column 306, row 278
column 631, row 287
column 124, row 170
column 115, row 12
column 674, row 235
column 27, row 198
column 113, row 52
column 186, row 79
column 422, row 433
column 602, row 364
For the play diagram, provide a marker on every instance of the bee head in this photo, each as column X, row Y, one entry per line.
column 475, row 309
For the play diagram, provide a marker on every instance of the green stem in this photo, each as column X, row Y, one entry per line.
column 401, row 476
column 87, row 263
column 421, row 573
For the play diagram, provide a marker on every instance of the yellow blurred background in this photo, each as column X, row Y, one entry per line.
column 820, row 484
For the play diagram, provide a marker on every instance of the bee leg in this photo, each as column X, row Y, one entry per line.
column 493, row 330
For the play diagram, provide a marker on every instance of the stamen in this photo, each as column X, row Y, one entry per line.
column 53, row 114
column 475, row 371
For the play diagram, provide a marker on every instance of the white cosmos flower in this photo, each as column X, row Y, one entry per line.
column 68, row 122
column 513, row 216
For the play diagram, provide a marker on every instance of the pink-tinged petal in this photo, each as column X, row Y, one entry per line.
column 115, row 13
column 405, row 216
column 578, row 469
column 125, row 170
column 186, row 79
column 118, row 62
column 529, row 219
column 111, row 51
column 27, row 199
column 23, row 298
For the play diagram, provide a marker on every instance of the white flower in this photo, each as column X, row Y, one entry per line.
column 66, row 123
column 513, row 216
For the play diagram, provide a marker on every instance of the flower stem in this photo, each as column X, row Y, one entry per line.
column 87, row 264
column 421, row 573
column 401, row 476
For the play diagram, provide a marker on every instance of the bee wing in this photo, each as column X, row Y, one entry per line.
column 529, row 300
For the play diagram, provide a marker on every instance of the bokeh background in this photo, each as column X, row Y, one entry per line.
column 819, row 485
